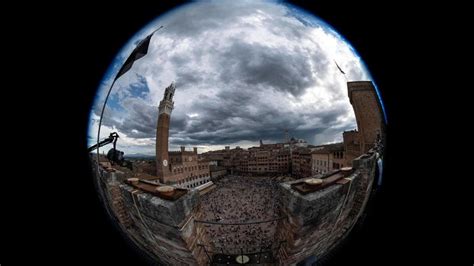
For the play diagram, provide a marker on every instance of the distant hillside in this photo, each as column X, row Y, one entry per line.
column 139, row 156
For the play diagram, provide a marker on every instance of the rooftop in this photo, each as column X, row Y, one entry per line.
column 324, row 149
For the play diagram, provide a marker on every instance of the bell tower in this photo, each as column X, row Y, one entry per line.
column 368, row 113
column 162, row 134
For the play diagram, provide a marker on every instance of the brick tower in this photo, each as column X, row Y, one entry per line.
column 368, row 113
column 162, row 134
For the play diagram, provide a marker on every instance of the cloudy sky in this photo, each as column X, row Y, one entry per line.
column 244, row 71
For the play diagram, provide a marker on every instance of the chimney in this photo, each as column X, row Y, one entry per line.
column 195, row 150
column 227, row 148
column 182, row 148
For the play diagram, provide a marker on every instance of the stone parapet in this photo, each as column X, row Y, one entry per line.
column 167, row 228
column 320, row 220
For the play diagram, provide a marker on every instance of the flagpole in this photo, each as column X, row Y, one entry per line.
column 105, row 103
column 344, row 75
column 100, row 120
column 153, row 32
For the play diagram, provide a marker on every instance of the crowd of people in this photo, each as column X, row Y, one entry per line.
column 253, row 203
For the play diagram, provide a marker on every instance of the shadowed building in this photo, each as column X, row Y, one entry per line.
column 369, row 117
column 301, row 162
column 327, row 158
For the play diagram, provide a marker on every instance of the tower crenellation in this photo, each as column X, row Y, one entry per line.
column 166, row 105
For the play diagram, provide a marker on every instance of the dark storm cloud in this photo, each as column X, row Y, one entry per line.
column 254, row 64
column 177, row 123
column 230, row 120
column 108, row 119
column 189, row 78
column 282, row 68
column 128, row 112
column 141, row 119
column 243, row 72
column 138, row 121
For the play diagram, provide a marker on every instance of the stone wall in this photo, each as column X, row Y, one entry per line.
column 320, row 220
column 107, row 184
column 167, row 228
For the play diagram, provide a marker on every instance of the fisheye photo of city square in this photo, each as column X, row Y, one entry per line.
column 237, row 132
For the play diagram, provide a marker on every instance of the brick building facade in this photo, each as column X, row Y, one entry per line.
column 263, row 159
column 301, row 162
column 181, row 168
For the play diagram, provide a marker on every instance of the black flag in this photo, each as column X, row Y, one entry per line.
column 339, row 68
column 139, row 52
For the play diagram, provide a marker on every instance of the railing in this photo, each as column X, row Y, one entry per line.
column 222, row 253
column 241, row 223
column 216, row 254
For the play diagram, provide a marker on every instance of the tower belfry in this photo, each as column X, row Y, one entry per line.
column 167, row 104
column 162, row 132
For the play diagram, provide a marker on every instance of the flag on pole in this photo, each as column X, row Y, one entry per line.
column 139, row 52
column 339, row 68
